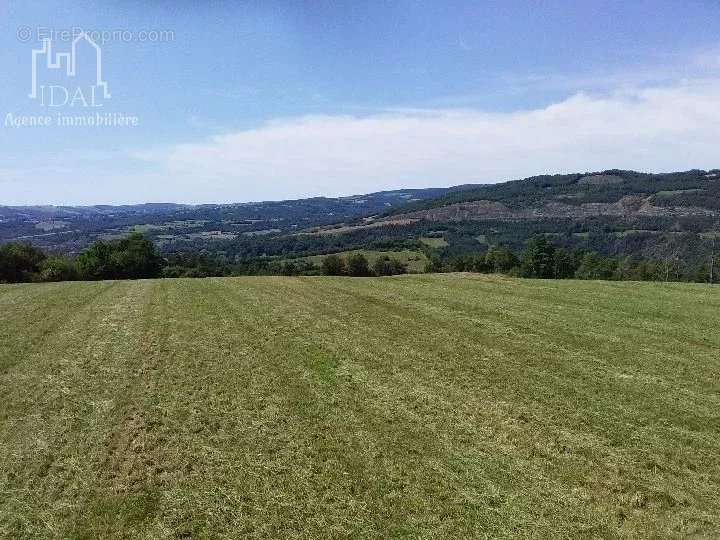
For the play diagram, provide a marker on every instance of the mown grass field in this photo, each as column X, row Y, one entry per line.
column 416, row 406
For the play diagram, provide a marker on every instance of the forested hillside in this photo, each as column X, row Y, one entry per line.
column 695, row 191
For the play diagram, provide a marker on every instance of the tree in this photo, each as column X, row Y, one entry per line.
column 713, row 263
column 500, row 260
column 469, row 263
column 537, row 261
column 289, row 268
column 669, row 251
column 565, row 264
column 357, row 265
column 59, row 269
column 94, row 262
column 649, row 270
column 19, row 262
column 134, row 257
column 434, row 265
column 333, row 265
column 594, row 266
column 385, row 266
column 461, row 263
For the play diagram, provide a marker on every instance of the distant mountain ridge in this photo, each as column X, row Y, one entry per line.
column 581, row 195
column 383, row 197
column 69, row 228
column 615, row 212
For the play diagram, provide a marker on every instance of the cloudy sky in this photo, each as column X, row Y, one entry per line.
column 240, row 101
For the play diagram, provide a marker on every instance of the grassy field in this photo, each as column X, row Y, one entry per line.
column 416, row 406
column 434, row 242
column 415, row 260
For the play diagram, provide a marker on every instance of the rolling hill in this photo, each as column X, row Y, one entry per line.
column 612, row 192
column 431, row 406
column 615, row 213
column 70, row 228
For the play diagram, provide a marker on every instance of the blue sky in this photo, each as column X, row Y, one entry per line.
column 271, row 100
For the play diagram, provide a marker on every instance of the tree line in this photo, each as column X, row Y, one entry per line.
column 357, row 265
column 136, row 257
column 543, row 259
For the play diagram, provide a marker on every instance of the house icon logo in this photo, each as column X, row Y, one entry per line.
column 69, row 79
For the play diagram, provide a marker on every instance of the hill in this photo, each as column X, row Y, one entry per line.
column 68, row 229
column 612, row 192
column 668, row 219
column 423, row 406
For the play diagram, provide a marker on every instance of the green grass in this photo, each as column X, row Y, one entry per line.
column 431, row 406
column 434, row 241
column 415, row 260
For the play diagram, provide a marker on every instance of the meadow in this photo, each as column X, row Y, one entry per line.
column 419, row 406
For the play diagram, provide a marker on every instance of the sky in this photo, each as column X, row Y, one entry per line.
column 230, row 101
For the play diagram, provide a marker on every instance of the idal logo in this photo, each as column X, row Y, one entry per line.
column 79, row 85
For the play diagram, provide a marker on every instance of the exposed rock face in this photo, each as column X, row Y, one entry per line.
column 630, row 205
column 465, row 211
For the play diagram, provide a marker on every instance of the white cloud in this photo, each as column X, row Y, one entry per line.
column 661, row 128
column 653, row 129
